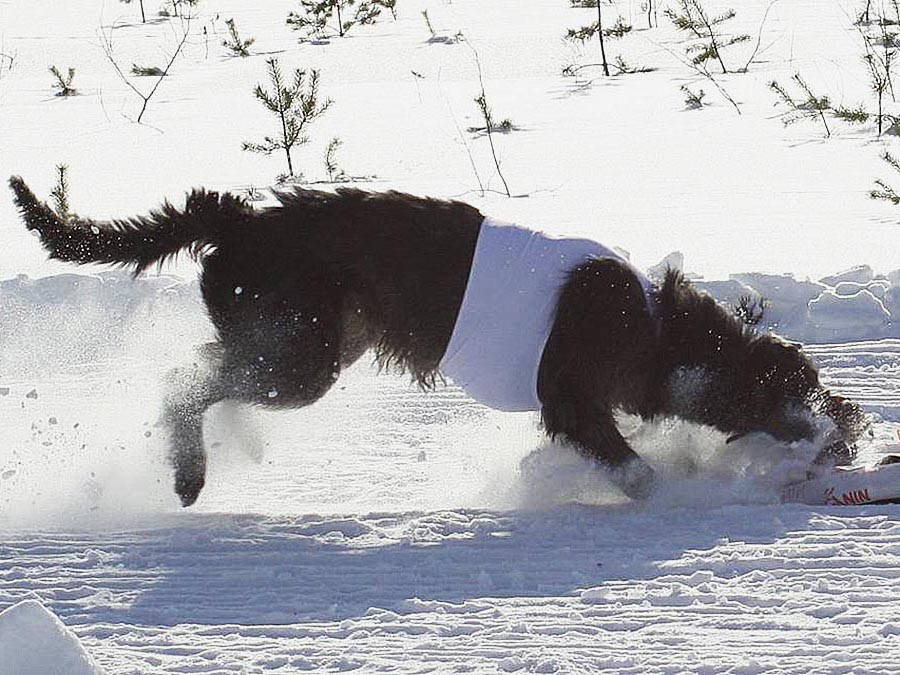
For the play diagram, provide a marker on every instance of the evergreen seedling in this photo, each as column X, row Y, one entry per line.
column 327, row 18
column 234, row 42
column 750, row 310
column 585, row 33
column 880, row 75
column 882, row 189
column 692, row 18
column 618, row 66
column 331, row 165
column 146, row 71
column 60, row 193
column 622, row 67
column 296, row 105
column 692, row 100
column 489, row 125
column 809, row 106
column 63, row 84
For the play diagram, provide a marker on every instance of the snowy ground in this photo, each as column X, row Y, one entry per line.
column 386, row 530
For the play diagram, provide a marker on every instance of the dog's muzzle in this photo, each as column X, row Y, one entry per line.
column 850, row 424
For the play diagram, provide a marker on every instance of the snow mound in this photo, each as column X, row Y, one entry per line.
column 849, row 315
column 675, row 261
column 849, row 306
column 33, row 641
column 861, row 274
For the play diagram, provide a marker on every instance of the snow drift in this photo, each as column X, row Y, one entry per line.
column 33, row 641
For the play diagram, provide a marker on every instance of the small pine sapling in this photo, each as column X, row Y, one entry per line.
column 622, row 67
column 296, row 105
column 857, row 115
column 489, row 125
column 328, row 18
column 146, row 71
column 585, row 33
column 60, row 193
column 882, row 189
column 234, row 43
column 808, row 107
column 691, row 18
column 620, row 29
column 331, row 165
column 63, row 84
column 692, row 100
column 618, row 66
column 817, row 106
column 881, row 80
column 750, row 309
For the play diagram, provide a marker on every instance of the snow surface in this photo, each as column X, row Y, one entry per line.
column 34, row 642
column 384, row 530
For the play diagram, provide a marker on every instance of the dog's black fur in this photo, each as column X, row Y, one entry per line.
column 299, row 291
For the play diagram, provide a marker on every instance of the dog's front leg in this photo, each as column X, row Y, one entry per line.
column 595, row 435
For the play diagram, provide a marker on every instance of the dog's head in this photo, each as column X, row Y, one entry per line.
column 725, row 374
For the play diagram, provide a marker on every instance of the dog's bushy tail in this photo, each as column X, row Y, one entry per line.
column 135, row 242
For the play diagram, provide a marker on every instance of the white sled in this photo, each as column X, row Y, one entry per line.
column 875, row 484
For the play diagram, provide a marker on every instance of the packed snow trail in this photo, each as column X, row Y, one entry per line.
column 572, row 589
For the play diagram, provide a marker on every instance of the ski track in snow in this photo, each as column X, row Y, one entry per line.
column 866, row 372
column 575, row 589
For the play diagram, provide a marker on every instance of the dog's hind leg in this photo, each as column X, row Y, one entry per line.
column 285, row 359
column 191, row 390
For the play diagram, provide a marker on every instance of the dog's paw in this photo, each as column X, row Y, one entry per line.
column 188, row 486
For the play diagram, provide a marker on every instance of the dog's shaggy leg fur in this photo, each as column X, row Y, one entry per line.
column 594, row 362
column 191, row 390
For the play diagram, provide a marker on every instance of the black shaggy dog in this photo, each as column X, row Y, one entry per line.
column 299, row 291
